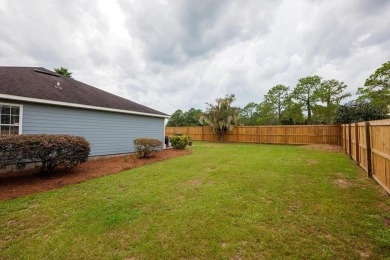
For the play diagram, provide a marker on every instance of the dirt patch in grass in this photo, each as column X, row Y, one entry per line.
column 191, row 183
column 364, row 254
column 387, row 221
column 325, row 147
column 195, row 182
column 343, row 183
column 16, row 184
column 312, row 161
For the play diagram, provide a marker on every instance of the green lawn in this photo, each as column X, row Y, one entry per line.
column 222, row 201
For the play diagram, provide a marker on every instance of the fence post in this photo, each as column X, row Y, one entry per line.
column 368, row 145
column 202, row 133
column 315, row 134
column 357, row 144
column 285, row 135
column 345, row 138
column 340, row 135
column 349, row 141
column 260, row 135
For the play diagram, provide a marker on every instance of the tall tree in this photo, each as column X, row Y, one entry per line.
column 304, row 93
column 293, row 114
column 248, row 114
column 277, row 99
column 177, row 119
column 266, row 114
column 222, row 116
column 377, row 87
column 331, row 92
column 63, row 71
column 188, row 118
column 192, row 117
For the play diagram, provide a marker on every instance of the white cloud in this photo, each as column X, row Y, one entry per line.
column 179, row 54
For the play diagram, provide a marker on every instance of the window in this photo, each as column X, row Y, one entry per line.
column 10, row 119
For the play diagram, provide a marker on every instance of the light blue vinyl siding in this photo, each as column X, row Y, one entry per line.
column 107, row 132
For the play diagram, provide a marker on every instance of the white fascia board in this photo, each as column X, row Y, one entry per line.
column 66, row 104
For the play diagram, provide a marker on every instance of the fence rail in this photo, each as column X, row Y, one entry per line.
column 306, row 134
column 368, row 143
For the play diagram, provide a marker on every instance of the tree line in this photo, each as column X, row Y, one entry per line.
column 313, row 100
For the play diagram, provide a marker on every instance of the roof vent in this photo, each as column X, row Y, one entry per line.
column 58, row 86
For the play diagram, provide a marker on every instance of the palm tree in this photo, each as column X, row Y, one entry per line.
column 63, row 71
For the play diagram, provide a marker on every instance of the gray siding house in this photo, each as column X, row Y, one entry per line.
column 39, row 101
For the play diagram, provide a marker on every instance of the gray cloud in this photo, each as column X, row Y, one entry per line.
column 175, row 34
column 54, row 32
column 181, row 54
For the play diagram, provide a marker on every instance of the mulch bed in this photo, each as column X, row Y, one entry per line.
column 20, row 183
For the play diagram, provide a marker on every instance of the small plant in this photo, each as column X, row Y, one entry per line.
column 51, row 150
column 144, row 147
column 180, row 142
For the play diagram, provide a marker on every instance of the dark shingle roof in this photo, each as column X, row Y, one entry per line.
column 39, row 83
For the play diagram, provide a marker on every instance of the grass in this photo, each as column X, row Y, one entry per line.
column 222, row 201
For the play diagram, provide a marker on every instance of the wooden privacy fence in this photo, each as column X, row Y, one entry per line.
column 368, row 143
column 302, row 134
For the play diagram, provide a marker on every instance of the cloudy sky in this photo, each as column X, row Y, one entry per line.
column 178, row 54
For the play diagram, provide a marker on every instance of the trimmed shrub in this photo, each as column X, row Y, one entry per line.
column 145, row 146
column 51, row 150
column 180, row 142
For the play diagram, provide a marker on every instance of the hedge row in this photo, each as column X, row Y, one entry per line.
column 51, row 150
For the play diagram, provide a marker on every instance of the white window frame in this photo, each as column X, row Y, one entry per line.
column 20, row 114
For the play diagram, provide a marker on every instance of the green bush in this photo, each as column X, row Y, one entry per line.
column 145, row 146
column 358, row 111
column 51, row 150
column 180, row 142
